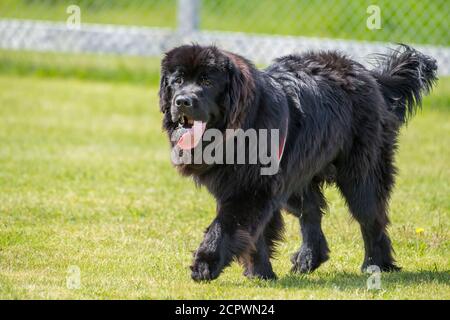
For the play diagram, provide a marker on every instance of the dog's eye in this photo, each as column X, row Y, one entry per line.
column 178, row 80
column 205, row 81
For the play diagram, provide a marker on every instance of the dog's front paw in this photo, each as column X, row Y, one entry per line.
column 201, row 271
column 205, row 267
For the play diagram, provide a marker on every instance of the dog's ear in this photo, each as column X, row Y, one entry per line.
column 164, row 92
column 240, row 90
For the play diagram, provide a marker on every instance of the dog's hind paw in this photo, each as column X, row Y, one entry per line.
column 383, row 267
column 306, row 261
column 263, row 275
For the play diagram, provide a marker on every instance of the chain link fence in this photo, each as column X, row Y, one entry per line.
column 258, row 29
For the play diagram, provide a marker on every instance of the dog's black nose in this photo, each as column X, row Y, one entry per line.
column 183, row 101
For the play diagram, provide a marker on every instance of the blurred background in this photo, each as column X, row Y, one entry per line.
column 258, row 29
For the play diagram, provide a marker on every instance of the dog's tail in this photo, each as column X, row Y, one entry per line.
column 405, row 75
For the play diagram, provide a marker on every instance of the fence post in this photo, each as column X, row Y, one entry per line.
column 188, row 16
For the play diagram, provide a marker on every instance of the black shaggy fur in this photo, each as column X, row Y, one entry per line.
column 343, row 125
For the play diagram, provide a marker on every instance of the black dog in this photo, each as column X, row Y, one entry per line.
column 341, row 123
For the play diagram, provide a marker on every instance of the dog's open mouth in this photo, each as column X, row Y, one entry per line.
column 191, row 132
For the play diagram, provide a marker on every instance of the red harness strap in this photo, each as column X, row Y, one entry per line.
column 283, row 141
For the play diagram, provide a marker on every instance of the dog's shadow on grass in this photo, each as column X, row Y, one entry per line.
column 358, row 280
column 349, row 281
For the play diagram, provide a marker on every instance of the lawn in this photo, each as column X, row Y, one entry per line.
column 86, row 181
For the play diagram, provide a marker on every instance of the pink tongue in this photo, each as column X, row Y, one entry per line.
column 192, row 137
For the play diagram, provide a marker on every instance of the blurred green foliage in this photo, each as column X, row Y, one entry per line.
column 410, row 21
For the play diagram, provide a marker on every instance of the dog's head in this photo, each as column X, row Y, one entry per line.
column 203, row 87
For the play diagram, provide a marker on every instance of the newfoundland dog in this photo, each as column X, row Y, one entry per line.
column 337, row 122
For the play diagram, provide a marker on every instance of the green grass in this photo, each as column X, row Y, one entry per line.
column 107, row 68
column 411, row 21
column 86, row 180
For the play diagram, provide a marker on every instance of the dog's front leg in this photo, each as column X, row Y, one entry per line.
column 212, row 255
column 232, row 234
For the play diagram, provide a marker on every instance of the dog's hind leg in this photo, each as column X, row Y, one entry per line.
column 257, row 262
column 367, row 198
column 309, row 207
